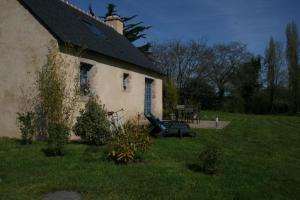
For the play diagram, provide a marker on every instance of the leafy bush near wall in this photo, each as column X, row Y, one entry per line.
column 27, row 127
column 130, row 146
column 58, row 137
column 57, row 86
column 56, row 100
column 170, row 97
column 50, row 103
column 210, row 159
column 92, row 125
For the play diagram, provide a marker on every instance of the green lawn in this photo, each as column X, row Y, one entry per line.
column 262, row 161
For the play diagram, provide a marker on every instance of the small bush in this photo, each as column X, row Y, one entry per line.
column 58, row 137
column 211, row 159
column 92, row 125
column 27, row 127
column 129, row 146
column 170, row 97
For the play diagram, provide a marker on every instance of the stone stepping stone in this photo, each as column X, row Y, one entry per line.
column 205, row 124
column 62, row 195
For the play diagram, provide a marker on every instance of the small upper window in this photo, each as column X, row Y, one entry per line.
column 125, row 81
column 85, row 85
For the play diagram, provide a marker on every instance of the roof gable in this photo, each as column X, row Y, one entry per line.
column 70, row 25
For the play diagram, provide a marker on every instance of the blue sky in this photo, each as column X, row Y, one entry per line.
column 214, row 21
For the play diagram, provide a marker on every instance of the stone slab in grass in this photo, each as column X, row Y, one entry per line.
column 62, row 195
column 209, row 124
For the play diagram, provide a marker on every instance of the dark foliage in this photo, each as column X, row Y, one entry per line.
column 200, row 93
column 57, row 139
column 27, row 127
column 170, row 97
column 210, row 159
column 132, row 31
column 111, row 10
column 245, row 85
column 292, row 54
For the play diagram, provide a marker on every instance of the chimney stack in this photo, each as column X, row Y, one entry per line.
column 116, row 23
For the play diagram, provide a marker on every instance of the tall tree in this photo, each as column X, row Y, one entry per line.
column 298, row 85
column 224, row 62
column 292, row 53
column 270, row 62
column 181, row 61
column 275, row 73
column 246, row 83
column 136, row 31
column 170, row 96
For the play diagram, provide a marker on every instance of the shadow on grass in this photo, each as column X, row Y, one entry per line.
column 49, row 152
column 94, row 154
column 199, row 169
column 194, row 168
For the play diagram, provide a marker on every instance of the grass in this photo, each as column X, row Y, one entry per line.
column 262, row 161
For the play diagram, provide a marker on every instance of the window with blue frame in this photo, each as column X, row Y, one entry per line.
column 148, row 96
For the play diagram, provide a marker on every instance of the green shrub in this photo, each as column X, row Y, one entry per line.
column 211, row 159
column 58, row 137
column 170, row 97
column 57, row 89
column 92, row 125
column 129, row 146
column 27, row 127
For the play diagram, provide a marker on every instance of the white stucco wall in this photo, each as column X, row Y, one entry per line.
column 107, row 82
column 23, row 46
column 23, row 49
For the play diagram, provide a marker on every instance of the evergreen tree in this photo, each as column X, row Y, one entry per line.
column 292, row 54
column 132, row 31
column 136, row 31
column 111, row 10
column 246, row 83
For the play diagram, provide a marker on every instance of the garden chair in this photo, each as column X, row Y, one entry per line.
column 196, row 116
column 180, row 115
column 189, row 113
column 116, row 119
column 168, row 128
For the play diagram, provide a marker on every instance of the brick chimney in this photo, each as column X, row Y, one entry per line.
column 116, row 23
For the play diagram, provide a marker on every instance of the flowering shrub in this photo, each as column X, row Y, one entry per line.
column 129, row 146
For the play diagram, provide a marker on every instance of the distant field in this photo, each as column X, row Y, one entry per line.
column 262, row 161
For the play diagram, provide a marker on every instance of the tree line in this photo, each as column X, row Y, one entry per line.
column 229, row 77
column 223, row 76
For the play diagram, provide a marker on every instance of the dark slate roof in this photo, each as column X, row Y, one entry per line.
column 68, row 24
